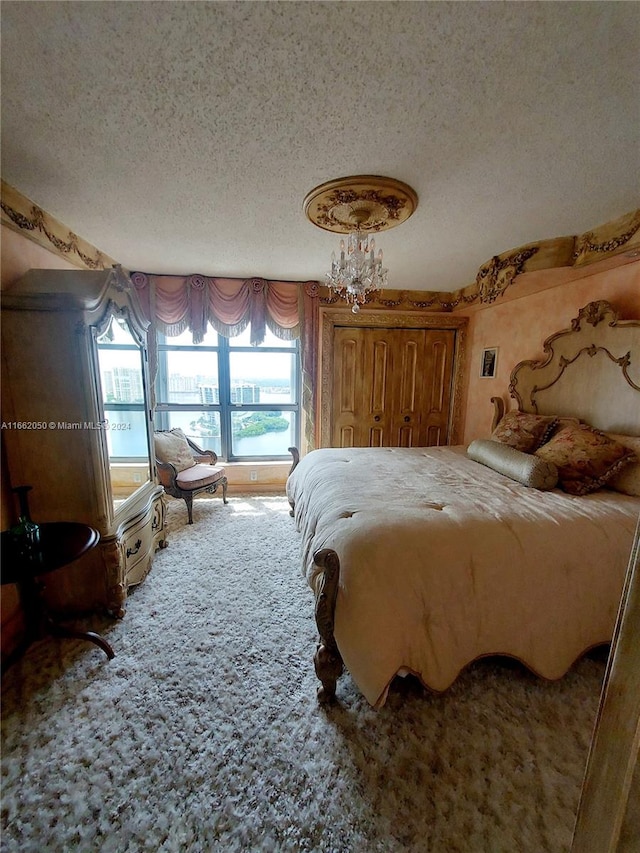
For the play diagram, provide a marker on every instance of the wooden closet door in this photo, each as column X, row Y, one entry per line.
column 391, row 387
column 362, row 397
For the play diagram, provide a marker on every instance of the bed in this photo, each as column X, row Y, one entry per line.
column 425, row 559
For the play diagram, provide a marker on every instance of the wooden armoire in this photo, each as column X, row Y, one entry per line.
column 390, row 379
column 74, row 346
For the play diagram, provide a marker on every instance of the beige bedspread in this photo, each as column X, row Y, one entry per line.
column 444, row 560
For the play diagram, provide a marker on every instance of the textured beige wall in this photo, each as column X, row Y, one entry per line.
column 519, row 327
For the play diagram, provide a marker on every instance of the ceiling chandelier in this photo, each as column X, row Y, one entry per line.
column 359, row 206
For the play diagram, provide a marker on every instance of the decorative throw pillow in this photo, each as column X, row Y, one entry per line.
column 172, row 446
column 628, row 480
column 524, row 431
column 585, row 457
column 563, row 422
column 525, row 468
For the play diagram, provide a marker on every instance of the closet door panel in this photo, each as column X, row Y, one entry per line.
column 376, row 438
column 347, row 388
column 438, row 373
column 408, row 386
column 377, row 382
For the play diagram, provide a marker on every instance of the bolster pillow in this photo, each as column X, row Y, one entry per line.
column 523, row 467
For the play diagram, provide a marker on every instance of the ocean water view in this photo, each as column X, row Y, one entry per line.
column 126, row 437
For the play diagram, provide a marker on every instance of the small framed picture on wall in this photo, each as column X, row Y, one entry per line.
column 489, row 363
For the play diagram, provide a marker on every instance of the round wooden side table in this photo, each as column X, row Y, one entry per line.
column 61, row 542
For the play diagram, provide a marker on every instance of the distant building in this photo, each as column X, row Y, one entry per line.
column 123, row 385
column 209, row 394
column 244, row 392
column 180, row 384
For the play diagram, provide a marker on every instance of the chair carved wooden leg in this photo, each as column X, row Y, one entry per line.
column 188, row 499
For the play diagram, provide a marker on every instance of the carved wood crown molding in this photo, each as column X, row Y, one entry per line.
column 620, row 236
column 401, row 300
column 25, row 217
column 498, row 274
column 588, row 244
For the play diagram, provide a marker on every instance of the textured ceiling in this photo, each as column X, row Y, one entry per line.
column 183, row 137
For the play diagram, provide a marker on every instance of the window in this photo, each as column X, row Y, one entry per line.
column 239, row 400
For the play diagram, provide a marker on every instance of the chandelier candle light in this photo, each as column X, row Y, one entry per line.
column 358, row 206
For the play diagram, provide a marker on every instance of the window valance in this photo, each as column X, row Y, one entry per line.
column 174, row 303
column 177, row 303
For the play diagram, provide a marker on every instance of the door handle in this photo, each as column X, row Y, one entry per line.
column 407, row 419
column 377, row 418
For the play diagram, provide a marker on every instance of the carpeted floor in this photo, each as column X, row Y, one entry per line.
column 203, row 734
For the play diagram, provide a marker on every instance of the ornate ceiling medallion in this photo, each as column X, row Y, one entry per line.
column 368, row 202
column 359, row 206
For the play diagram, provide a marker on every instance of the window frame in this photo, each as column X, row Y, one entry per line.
column 223, row 350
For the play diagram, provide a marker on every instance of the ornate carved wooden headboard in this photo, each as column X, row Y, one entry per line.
column 591, row 371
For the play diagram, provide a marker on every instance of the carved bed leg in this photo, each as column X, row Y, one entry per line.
column 327, row 659
column 296, row 458
column 328, row 666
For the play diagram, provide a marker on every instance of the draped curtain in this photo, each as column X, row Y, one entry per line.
column 288, row 309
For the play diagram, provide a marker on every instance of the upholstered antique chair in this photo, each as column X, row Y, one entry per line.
column 185, row 470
